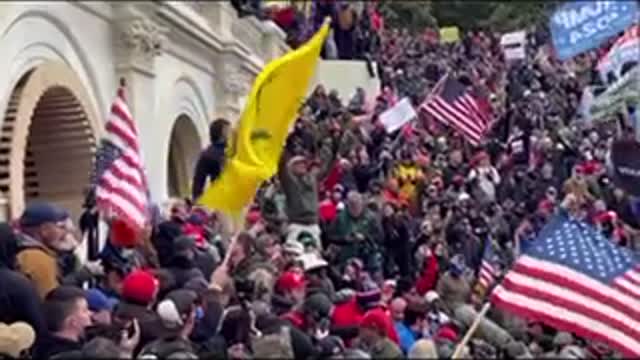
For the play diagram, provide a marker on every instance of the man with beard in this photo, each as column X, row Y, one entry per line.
column 43, row 233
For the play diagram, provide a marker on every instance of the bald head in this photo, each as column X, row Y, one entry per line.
column 398, row 306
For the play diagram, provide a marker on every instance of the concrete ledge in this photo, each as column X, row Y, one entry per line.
column 345, row 76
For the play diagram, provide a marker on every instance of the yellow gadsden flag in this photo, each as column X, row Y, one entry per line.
column 272, row 107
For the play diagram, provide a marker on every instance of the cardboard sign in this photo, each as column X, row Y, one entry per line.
column 624, row 165
column 579, row 25
column 401, row 113
column 514, row 45
column 449, row 34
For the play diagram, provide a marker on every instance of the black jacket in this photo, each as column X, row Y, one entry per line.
column 183, row 270
column 151, row 327
column 209, row 165
column 49, row 345
column 19, row 301
column 301, row 343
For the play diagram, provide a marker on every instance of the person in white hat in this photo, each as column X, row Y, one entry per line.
column 15, row 339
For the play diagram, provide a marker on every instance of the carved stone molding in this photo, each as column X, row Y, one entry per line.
column 143, row 37
column 237, row 81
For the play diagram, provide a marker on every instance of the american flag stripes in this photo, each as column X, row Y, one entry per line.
column 453, row 105
column 118, row 176
column 488, row 272
column 574, row 279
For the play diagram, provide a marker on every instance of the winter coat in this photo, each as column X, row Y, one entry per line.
column 49, row 345
column 429, row 276
column 170, row 347
column 344, row 228
column 301, row 343
column 301, row 192
column 38, row 263
column 209, row 166
column 17, row 293
column 454, row 291
column 151, row 327
column 386, row 349
column 182, row 271
column 19, row 301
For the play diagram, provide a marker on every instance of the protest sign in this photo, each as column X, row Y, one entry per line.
column 578, row 26
column 449, row 34
column 514, row 45
column 624, row 165
column 401, row 113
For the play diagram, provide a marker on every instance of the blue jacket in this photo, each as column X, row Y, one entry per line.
column 406, row 335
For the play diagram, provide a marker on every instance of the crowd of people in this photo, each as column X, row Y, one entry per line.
column 365, row 245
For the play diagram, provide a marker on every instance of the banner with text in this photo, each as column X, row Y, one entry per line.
column 623, row 165
column 579, row 26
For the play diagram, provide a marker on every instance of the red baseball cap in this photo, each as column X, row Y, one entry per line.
column 290, row 281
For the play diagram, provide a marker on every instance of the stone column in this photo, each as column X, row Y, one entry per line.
column 232, row 90
column 272, row 41
column 138, row 41
column 4, row 208
column 221, row 16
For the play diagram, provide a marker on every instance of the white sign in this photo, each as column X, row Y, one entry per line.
column 401, row 113
column 514, row 45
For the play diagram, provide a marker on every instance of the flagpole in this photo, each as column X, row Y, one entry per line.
column 428, row 97
column 471, row 331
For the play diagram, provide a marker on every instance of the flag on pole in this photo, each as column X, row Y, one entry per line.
column 574, row 279
column 489, row 271
column 118, row 176
column 275, row 98
column 453, row 105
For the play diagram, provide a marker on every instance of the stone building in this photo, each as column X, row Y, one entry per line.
column 185, row 63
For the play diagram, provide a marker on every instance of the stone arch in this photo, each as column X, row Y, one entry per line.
column 32, row 48
column 184, row 148
column 48, row 139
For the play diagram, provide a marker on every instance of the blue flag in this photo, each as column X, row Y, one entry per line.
column 579, row 26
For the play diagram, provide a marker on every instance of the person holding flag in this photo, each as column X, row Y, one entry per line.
column 264, row 126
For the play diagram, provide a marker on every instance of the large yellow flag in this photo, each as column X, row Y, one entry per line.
column 275, row 98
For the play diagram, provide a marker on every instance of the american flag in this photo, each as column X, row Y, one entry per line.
column 118, row 175
column 488, row 272
column 574, row 279
column 453, row 105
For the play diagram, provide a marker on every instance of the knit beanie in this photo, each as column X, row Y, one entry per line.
column 369, row 297
column 318, row 304
column 140, row 287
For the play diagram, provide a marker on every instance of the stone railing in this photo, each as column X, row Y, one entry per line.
column 248, row 32
column 263, row 39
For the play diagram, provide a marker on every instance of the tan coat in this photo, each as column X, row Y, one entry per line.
column 41, row 267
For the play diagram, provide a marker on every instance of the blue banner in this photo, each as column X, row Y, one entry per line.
column 579, row 25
